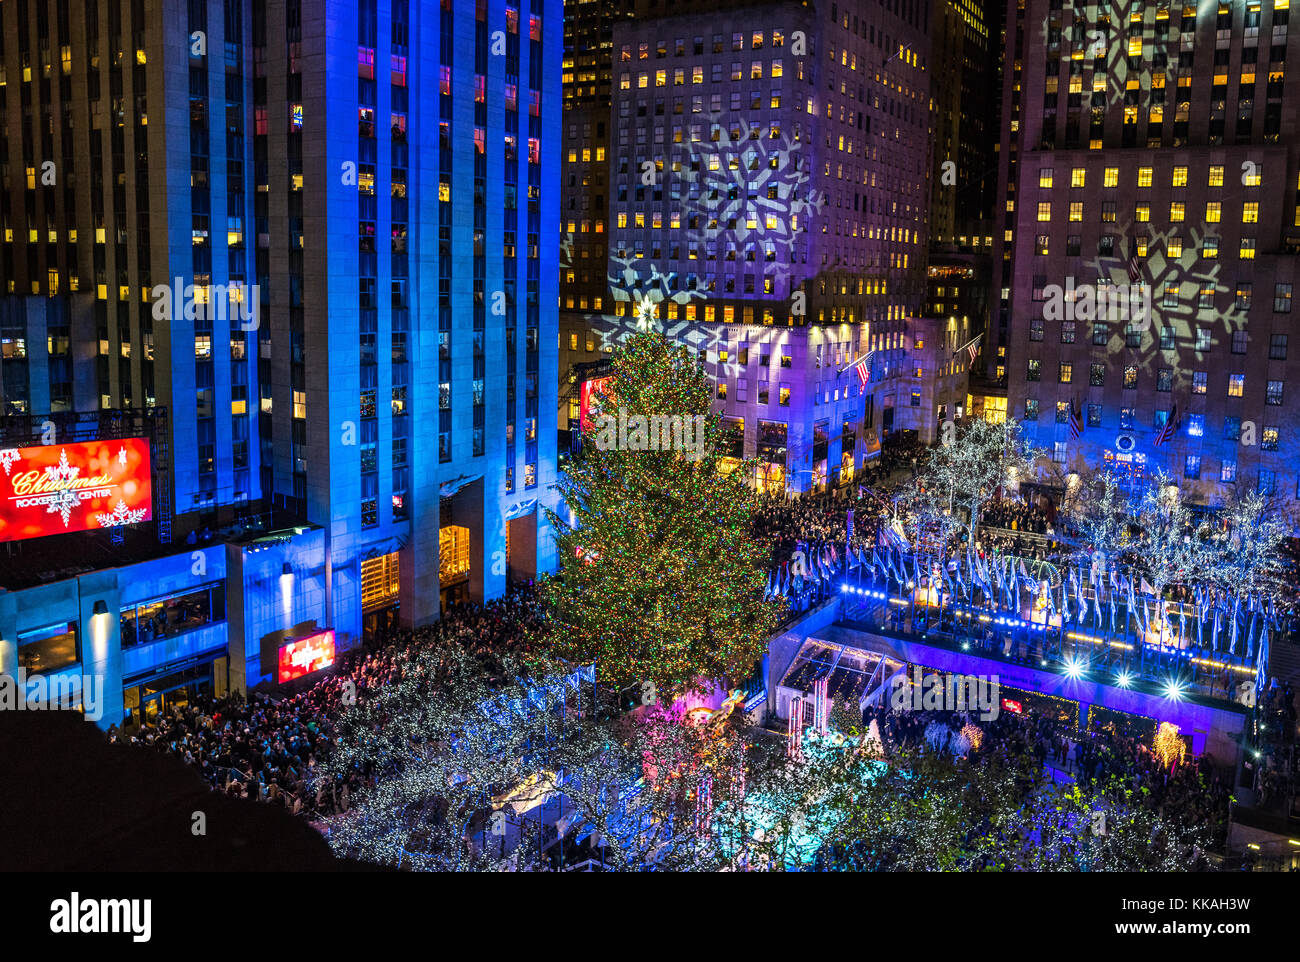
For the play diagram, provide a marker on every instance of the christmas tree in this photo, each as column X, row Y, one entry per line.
column 661, row 579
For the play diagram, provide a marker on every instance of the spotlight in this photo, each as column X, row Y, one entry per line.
column 1174, row 690
column 1123, row 680
column 1073, row 669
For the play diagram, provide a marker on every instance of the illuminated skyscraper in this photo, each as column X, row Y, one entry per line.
column 769, row 187
column 320, row 237
column 1149, row 251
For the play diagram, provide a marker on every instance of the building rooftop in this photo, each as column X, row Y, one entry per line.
column 24, row 564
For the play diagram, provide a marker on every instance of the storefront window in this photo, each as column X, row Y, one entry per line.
column 167, row 617
column 48, row 649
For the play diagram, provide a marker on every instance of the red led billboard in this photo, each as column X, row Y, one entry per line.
column 304, row 656
column 592, row 395
column 57, row 488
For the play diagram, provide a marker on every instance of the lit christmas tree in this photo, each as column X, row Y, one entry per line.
column 661, row 580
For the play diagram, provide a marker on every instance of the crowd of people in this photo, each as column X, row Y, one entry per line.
column 269, row 748
column 1017, row 515
column 900, row 454
column 1193, row 789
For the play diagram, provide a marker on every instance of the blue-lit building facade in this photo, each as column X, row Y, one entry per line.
column 364, row 431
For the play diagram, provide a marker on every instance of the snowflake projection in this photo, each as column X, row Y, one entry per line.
column 751, row 192
column 121, row 456
column 121, row 515
column 1107, row 40
column 645, row 289
column 745, row 198
column 7, row 458
column 65, row 496
column 1178, row 282
column 566, row 250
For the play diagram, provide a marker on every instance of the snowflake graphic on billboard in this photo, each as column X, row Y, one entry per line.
column 7, row 458
column 65, row 497
column 121, row 515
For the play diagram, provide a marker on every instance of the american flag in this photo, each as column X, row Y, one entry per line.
column 863, row 367
column 1134, row 265
column 971, row 347
column 1076, row 425
column 1170, row 426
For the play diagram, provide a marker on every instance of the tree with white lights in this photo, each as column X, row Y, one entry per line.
column 1168, row 548
column 1111, row 827
column 1244, row 556
column 1097, row 514
column 976, row 459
